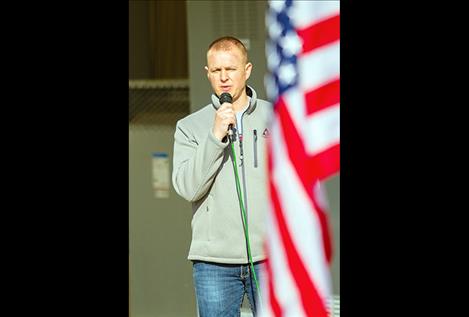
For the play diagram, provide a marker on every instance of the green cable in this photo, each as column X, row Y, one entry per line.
column 246, row 233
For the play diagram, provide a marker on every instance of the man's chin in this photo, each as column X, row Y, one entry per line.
column 222, row 91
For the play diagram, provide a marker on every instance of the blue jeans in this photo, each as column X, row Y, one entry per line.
column 220, row 288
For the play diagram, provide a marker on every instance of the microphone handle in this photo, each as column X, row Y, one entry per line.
column 230, row 133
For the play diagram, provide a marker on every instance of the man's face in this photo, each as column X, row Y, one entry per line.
column 227, row 71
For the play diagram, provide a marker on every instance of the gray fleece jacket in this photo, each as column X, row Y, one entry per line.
column 203, row 174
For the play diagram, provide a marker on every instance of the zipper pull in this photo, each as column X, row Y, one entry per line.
column 241, row 149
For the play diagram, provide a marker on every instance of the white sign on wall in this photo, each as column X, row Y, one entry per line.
column 161, row 174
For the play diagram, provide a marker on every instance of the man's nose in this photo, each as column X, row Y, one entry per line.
column 223, row 75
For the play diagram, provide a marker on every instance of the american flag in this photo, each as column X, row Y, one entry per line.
column 304, row 85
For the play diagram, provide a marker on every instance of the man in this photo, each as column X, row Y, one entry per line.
column 204, row 174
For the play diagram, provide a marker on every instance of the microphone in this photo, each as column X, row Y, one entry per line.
column 226, row 97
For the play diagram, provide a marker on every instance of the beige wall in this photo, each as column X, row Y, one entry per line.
column 160, row 233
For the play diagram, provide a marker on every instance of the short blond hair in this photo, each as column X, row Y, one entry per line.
column 226, row 43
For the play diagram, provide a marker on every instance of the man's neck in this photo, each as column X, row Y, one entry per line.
column 240, row 103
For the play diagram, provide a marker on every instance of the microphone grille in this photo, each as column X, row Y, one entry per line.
column 225, row 97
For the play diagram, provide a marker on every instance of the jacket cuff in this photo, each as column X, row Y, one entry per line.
column 219, row 143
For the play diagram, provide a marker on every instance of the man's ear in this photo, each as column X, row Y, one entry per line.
column 248, row 69
column 208, row 75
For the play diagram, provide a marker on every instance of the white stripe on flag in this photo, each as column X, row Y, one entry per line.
column 301, row 219
column 284, row 285
column 319, row 66
column 318, row 131
column 305, row 13
column 322, row 129
column 295, row 102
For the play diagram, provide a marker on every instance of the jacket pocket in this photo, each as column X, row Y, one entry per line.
column 202, row 221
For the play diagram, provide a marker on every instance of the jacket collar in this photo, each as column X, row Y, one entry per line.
column 249, row 91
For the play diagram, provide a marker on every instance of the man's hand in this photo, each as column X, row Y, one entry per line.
column 223, row 118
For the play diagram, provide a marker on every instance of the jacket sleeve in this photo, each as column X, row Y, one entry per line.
column 195, row 162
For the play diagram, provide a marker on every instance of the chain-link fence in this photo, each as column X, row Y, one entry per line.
column 154, row 103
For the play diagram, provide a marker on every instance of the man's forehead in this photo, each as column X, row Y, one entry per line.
column 232, row 50
column 235, row 53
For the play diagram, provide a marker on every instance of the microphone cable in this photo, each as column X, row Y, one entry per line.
column 246, row 233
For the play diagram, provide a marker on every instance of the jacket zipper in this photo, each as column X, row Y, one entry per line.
column 243, row 171
column 255, row 147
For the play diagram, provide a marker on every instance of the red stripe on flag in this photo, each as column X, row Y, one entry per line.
column 319, row 34
column 323, row 97
column 325, row 232
column 326, row 235
column 274, row 305
column 324, row 164
column 312, row 303
column 308, row 168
